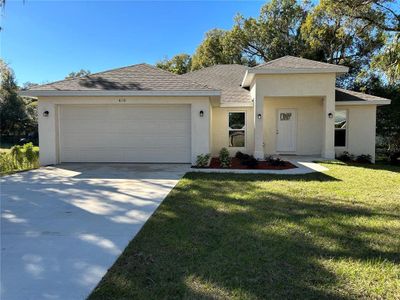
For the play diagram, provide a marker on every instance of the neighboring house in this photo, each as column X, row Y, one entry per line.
column 141, row 113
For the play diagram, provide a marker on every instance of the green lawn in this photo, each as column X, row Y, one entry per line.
column 218, row 236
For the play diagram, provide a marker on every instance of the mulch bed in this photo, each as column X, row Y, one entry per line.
column 262, row 165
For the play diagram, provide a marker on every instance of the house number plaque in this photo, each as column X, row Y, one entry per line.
column 285, row 116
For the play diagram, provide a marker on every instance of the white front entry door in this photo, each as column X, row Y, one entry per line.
column 286, row 130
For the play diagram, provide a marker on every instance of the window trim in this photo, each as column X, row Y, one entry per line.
column 346, row 141
column 243, row 129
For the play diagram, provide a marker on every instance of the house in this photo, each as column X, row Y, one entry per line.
column 141, row 113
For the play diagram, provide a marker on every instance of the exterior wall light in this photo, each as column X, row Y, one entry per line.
column 330, row 115
column 46, row 113
column 201, row 113
column 259, row 116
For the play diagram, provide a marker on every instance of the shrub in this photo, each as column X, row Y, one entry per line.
column 202, row 160
column 242, row 156
column 250, row 161
column 364, row 159
column 19, row 158
column 30, row 154
column 274, row 161
column 17, row 154
column 345, row 157
column 224, row 159
column 7, row 163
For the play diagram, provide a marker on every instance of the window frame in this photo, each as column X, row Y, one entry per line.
column 346, row 140
column 243, row 129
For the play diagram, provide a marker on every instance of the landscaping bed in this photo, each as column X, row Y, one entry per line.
column 241, row 161
column 261, row 165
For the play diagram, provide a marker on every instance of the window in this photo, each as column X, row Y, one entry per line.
column 340, row 128
column 237, row 127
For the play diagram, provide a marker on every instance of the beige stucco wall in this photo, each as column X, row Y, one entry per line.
column 220, row 133
column 49, row 126
column 309, row 133
column 361, row 129
column 297, row 85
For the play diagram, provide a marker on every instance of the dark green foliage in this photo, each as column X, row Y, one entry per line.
column 19, row 158
column 80, row 73
column 179, row 64
column 246, row 160
column 349, row 158
column 250, row 162
column 364, row 159
column 13, row 115
column 241, row 156
column 275, row 161
column 345, row 157
column 202, row 160
column 224, row 158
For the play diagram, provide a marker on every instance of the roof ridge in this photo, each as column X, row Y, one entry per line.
column 273, row 60
column 317, row 62
column 213, row 66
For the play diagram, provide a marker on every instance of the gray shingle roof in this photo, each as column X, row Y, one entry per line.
column 292, row 62
column 140, row 77
column 342, row 95
column 224, row 78
column 227, row 78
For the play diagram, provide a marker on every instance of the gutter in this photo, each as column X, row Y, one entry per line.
column 57, row 93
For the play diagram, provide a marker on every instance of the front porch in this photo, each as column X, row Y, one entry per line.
column 294, row 126
column 294, row 115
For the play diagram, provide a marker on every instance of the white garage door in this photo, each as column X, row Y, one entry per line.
column 125, row 133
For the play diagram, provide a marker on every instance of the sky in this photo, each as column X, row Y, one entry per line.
column 43, row 41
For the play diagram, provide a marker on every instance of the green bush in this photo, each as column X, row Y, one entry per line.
column 276, row 162
column 202, row 160
column 19, row 158
column 364, row 159
column 17, row 155
column 224, row 159
column 345, row 157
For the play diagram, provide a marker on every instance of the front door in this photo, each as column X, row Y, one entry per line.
column 286, row 130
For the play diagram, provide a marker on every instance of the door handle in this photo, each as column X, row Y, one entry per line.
column 277, row 131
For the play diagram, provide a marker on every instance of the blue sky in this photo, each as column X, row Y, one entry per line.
column 45, row 40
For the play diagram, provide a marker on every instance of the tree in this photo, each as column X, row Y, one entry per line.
column 179, row 64
column 275, row 33
column 12, row 108
column 387, row 61
column 217, row 48
column 335, row 38
column 384, row 14
column 27, row 85
column 80, row 73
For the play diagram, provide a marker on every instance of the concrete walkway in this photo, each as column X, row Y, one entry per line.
column 62, row 227
column 304, row 164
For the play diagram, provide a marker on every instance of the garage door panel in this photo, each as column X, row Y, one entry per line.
column 82, row 142
column 110, row 113
column 129, row 133
column 128, row 126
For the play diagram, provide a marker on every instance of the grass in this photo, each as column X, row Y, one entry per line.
column 317, row 236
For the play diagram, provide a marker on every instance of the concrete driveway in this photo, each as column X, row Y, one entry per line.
column 62, row 227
